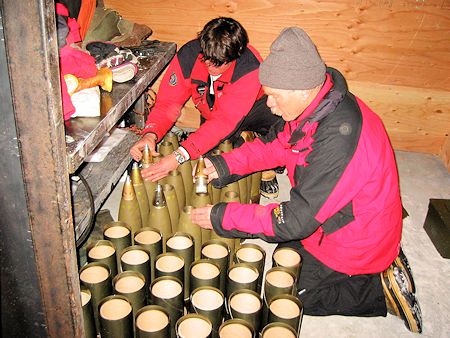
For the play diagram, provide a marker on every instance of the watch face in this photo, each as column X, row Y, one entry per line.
column 180, row 158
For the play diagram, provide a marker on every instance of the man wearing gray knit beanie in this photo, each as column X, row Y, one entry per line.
column 293, row 62
column 344, row 215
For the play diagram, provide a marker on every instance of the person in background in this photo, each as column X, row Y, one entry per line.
column 219, row 72
column 344, row 215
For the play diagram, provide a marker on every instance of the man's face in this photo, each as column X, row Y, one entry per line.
column 286, row 103
column 214, row 70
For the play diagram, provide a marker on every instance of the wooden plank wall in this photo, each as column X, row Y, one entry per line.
column 394, row 53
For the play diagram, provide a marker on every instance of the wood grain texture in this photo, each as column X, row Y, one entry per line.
column 396, row 50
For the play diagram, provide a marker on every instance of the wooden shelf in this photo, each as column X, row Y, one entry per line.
column 101, row 178
column 83, row 134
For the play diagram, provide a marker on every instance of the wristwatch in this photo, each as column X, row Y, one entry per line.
column 179, row 157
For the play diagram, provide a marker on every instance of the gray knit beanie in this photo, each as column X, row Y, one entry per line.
column 293, row 62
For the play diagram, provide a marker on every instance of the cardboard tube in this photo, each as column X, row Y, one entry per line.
column 119, row 234
column 286, row 309
column 169, row 264
column 136, row 258
column 88, row 313
column 278, row 281
column 167, row 291
column 103, row 251
column 218, row 252
column 241, row 276
column 204, row 272
column 116, row 317
column 193, row 325
column 247, row 305
column 277, row 330
column 182, row 244
column 209, row 301
column 233, row 328
column 152, row 321
column 288, row 258
column 254, row 255
column 96, row 277
column 131, row 284
column 151, row 240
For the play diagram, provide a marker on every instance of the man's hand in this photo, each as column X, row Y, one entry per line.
column 209, row 170
column 138, row 147
column 160, row 169
column 202, row 217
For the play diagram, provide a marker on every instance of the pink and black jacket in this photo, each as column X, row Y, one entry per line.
column 236, row 91
column 344, row 204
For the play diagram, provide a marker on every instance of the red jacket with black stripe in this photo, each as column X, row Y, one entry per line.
column 344, row 204
column 236, row 91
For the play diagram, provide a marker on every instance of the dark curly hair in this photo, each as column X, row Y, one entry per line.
column 222, row 40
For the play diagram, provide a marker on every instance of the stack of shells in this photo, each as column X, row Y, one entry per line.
column 156, row 274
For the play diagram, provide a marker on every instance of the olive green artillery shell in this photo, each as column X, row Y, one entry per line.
column 172, row 205
column 174, row 178
column 226, row 146
column 129, row 211
column 172, row 138
column 140, row 191
column 166, row 148
column 243, row 190
column 255, row 187
column 159, row 216
column 233, row 243
column 186, row 172
column 185, row 225
column 198, row 201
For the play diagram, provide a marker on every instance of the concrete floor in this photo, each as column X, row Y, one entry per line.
column 421, row 177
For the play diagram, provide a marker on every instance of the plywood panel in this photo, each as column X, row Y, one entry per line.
column 445, row 153
column 393, row 51
column 392, row 42
column 413, row 119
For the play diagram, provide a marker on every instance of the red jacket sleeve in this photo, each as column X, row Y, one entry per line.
column 255, row 156
column 229, row 109
column 173, row 93
column 249, row 218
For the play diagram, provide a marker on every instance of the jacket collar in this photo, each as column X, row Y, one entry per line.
column 326, row 101
column 200, row 72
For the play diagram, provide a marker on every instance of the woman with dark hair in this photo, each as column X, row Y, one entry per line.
column 219, row 72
